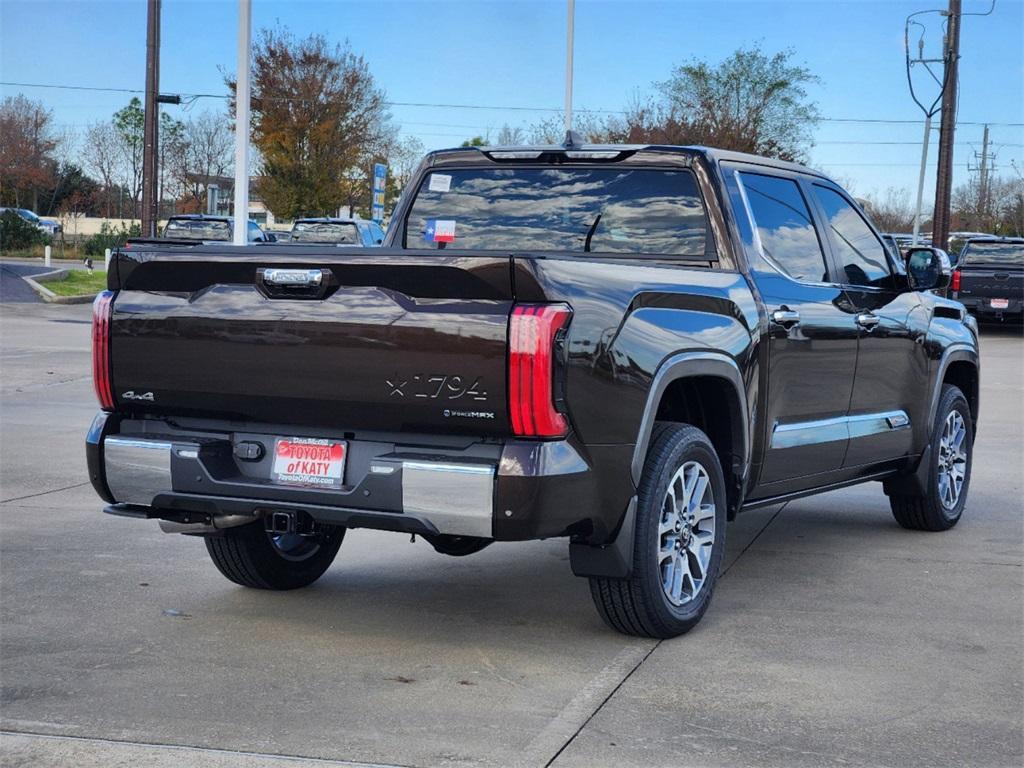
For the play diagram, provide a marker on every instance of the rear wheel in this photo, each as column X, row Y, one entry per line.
column 678, row 542
column 254, row 557
column 949, row 476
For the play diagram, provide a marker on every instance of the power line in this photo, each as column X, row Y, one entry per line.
column 498, row 107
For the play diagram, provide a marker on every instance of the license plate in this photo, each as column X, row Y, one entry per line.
column 1000, row 303
column 309, row 461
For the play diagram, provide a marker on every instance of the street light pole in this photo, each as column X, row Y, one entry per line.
column 568, row 67
column 920, row 178
column 242, row 92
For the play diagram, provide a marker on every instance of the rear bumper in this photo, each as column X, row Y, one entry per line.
column 982, row 308
column 514, row 490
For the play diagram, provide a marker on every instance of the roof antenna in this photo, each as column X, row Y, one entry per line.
column 572, row 139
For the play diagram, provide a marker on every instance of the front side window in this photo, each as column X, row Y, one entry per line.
column 785, row 227
column 861, row 256
column 576, row 210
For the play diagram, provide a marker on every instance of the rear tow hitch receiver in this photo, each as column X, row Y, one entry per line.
column 286, row 522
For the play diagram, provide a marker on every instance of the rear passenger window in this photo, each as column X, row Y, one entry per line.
column 860, row 254
column 785, row 227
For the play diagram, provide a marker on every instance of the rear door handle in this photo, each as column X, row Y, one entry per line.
column 867, row 321
column 785, row 317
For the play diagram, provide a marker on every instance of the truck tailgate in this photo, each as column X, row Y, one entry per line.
column 984, row 282
column 387, row 339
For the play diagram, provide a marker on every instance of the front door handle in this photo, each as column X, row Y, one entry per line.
column 785, row 317
column 867, row 321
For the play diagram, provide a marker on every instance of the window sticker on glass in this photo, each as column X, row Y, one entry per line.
column 439, row 231
column 440, row 182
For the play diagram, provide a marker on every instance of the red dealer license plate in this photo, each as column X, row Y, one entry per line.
column 1000, row 303
column 309, row 461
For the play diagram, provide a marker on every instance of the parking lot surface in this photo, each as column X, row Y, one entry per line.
column 835, row 637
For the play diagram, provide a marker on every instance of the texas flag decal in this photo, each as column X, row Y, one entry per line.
column 440, row 231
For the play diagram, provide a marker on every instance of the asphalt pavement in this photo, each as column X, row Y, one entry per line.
column 835, row 637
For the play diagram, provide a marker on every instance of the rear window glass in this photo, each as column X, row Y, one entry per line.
column 198, row 229
column 325, row 232
column 994, row 253
column 642, row 211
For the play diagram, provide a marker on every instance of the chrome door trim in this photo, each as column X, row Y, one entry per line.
column 839, row 428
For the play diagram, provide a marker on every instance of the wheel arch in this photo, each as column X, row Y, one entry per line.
column 705, row 389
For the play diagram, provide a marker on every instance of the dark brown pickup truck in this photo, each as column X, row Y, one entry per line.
column 624, row 346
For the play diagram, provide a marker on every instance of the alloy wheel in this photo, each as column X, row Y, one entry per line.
column 686, row 533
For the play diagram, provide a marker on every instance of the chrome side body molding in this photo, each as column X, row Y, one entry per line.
column 839, row 428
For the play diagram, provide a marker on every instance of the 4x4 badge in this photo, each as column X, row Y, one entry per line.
column 130, row 395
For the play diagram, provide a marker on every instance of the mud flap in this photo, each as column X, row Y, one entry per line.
column 613, row 560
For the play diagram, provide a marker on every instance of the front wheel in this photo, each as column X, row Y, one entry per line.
column 949, row 476
column 678, row 542
column 254, row 557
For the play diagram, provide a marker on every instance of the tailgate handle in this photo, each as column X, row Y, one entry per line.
column 297, row 278
column 294, row 283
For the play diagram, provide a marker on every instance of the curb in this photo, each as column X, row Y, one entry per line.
column 49, row 296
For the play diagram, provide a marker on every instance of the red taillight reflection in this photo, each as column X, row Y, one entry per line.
column 101, row 350
column 532, row 330
column 955, row 282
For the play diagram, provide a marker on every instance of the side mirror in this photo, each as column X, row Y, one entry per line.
column 928, row 268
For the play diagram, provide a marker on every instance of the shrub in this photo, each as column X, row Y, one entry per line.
column 110, row 237
column 17, row 234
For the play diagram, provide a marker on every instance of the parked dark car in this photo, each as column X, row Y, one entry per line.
column 337, row 231
column 624, row 346
column 989, row 278
column 210, row 229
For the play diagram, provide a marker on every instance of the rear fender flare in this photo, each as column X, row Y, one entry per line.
column 615, row 558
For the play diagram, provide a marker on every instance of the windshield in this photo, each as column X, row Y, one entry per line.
column 28, row 215
column 325, row 232
column 616, row 209
column 994, row 253
column 198, row 229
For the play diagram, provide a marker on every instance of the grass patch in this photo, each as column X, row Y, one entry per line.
column 79, row 282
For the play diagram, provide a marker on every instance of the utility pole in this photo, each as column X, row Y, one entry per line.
column 568, row 66
column 151, row 138
column 944, row 175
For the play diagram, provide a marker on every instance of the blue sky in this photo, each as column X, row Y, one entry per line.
column 508, row 54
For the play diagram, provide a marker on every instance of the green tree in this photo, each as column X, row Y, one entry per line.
column 318, row 120
column 476, row 141
column 130, row 125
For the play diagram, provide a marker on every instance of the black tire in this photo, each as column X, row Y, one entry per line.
column 928, row 512
column 639, row 605
column 247, row 555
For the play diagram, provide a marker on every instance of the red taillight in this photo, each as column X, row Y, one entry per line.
column 531, row 369
column 101, row 350
column 955, row 282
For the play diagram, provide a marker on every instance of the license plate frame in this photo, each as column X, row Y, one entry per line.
column 309, row 462
column 999, row 303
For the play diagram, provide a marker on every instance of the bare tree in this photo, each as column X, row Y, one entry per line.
column 209, row 147
column 892, row 212
column 102, row 157
column 510, row 137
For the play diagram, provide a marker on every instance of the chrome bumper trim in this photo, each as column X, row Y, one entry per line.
column 457, row 499
column 137, row 470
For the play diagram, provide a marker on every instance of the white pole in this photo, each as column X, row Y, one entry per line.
column 106, row 260
column 46, row 255
column 920, row 178
column 568, row 67
column 242, row 123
